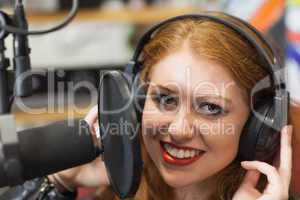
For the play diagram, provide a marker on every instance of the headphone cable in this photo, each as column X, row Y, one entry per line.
column 66, row 21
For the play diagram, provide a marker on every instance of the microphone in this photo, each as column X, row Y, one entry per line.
column 119, row 128
column 44, row 150
column 22, row 66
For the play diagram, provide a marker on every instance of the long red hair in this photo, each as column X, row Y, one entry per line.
column 218, row 43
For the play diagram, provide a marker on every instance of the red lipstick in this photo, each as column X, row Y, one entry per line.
column 168, row 158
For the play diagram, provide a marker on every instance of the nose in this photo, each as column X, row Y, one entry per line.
column 181, row 129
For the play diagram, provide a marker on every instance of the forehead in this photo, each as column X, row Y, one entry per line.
column 185, row 71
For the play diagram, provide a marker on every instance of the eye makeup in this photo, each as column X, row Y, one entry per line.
column 165, row 100
column 211, row 105
column 208, row 105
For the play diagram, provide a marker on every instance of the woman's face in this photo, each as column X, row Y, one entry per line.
column 193, row 117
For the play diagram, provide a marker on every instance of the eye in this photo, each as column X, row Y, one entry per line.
column 166, row 102
column 207, row 108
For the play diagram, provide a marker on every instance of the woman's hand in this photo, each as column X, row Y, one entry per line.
column 88, row 175
column 278, row 178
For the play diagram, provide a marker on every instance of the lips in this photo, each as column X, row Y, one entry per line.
column 179, row 155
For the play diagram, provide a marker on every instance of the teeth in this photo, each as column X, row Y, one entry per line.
column 174, row 152
column 180, row 153
column 193, row 153
column 187, row 154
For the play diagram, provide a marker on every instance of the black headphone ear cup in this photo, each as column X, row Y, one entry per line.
column 268, row 142
column 259, row 140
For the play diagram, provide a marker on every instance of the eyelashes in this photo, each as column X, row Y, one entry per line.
column 166, row 101
column 211, row 109
column 170, row 102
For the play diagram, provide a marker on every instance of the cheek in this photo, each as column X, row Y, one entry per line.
column 151, row 144
column 222, row 151
column 150, row 126
column 224, row 136
column 150, row 111
column 223, row 147
column 148, row 142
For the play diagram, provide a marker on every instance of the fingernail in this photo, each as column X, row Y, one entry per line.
column 98, row 135
column 244, row 162
column 285, row 129
column 288, row 129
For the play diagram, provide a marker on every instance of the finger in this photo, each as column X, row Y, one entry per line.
column 91, row 119
column 92, row 116
column 285, row 167
column 97, row 130
column 266, row 169
column 251, row 178
column 266, row 198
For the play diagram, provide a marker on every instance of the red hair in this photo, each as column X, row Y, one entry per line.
column 216, row 42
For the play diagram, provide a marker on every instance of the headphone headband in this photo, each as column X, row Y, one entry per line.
column 271, row 64
column 259, row 140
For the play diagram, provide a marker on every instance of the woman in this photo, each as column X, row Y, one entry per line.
column 200, row 75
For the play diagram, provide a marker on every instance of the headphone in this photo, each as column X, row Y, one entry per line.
column 260, row 138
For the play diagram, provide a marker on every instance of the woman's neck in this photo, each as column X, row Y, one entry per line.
column 294, row 120
column 200, row 191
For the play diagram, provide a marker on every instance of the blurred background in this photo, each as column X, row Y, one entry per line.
column 68, row 63
column 103, row 36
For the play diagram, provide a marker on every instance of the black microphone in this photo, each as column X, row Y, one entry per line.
column 119, row 128
column 22, row 66
column 44, row 150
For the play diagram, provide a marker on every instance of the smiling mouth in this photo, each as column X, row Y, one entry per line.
column 180, row 156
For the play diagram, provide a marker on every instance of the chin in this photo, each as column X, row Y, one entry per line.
column 176, row 180
column 175, row 183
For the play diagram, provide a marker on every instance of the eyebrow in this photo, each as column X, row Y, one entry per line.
column 227, row 100
column 161, row 87
column 206, row 96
